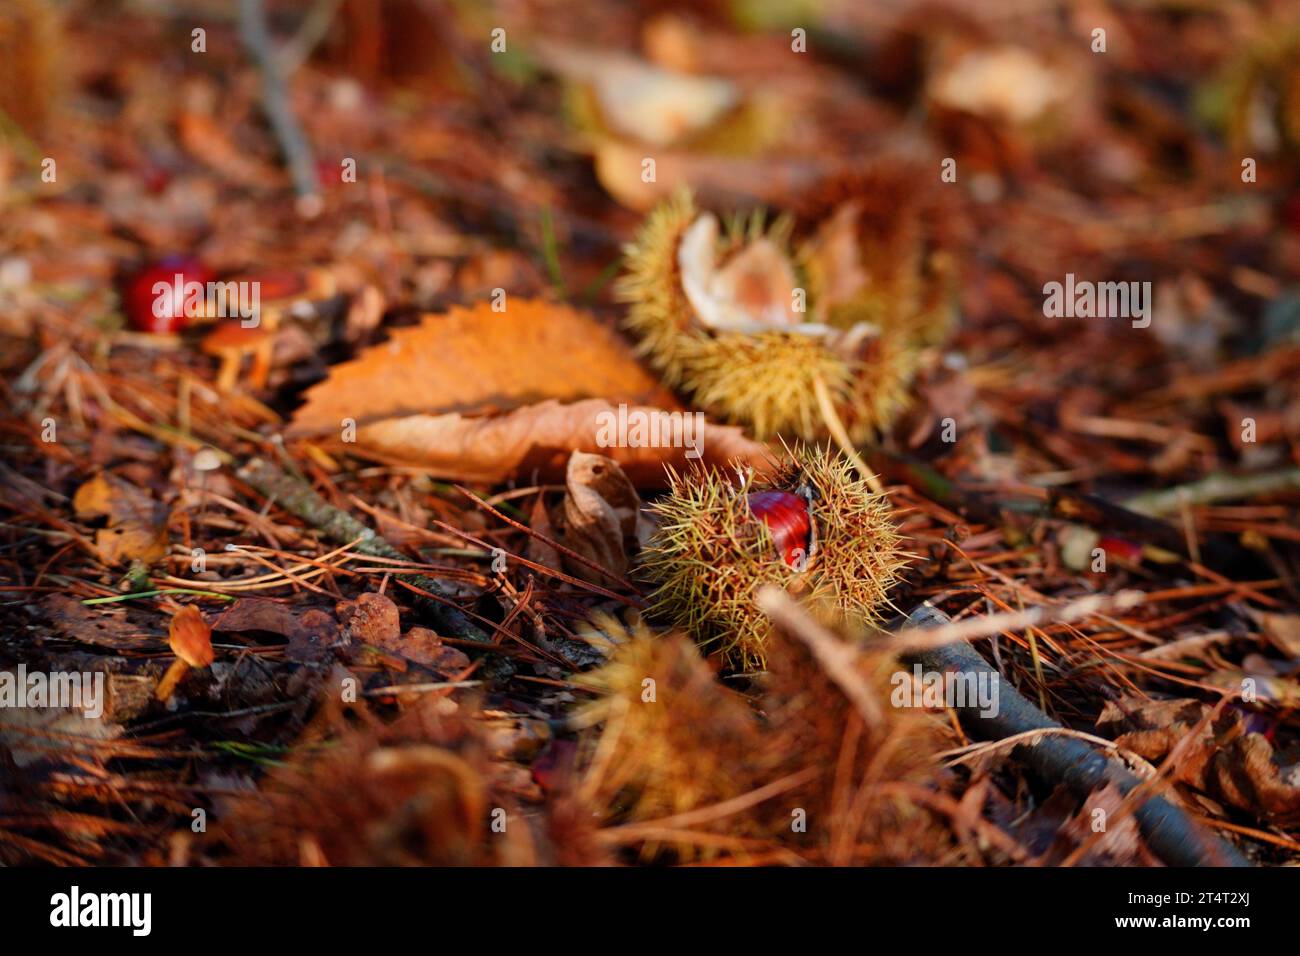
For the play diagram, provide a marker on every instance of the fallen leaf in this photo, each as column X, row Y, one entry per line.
column 603, row 520
column 371, row 619
column 539, row 439
column 137, row 524
column 642, row 101
column 1227, row 763
column 311, row 634
column 133, row 541
column 478, row 361
column 1280, row 630
column 102, row 626
column 424, row 646
column 1246, row 776
column 256, row 614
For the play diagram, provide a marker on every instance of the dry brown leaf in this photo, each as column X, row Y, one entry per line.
column 1247, row 776
column 106, row 496
column 137, row 525
column 603, row 520
column 539, row 439
column 425, row 647
column 133, row 541
column 539, row 550
column 477, row 361
column 310, row 633
column 105, row 626
column 1280, row 630
column 372, row 619
column 256, row 614
column 1227, row 762
column 1121, row 841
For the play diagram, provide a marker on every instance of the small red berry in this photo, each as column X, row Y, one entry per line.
column 788, row 517
column 1121, row 548
column 150, row 298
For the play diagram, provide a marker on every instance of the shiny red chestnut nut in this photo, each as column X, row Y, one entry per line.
column 151, row 299
column 789, row 519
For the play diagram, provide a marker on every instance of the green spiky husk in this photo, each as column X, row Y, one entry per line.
column 709, row 556
column 766, row 381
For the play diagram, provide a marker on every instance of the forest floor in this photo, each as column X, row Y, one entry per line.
column 358, row 700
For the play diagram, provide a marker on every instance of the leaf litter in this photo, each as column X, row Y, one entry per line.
column 356, row 580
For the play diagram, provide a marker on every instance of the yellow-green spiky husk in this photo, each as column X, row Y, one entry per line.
column 669, row 746
column 767, row 381
column 659, row 314
column 709, row 556
column 914, row 302
column 905, row 227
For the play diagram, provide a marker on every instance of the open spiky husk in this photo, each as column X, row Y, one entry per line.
column 768, row 380
column 659, row 315
column 903, row 226
column 709, row 557
column 838, row 790
column 671, row 734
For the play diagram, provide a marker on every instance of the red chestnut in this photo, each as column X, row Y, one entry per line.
column 150, row 297
column 788, row 516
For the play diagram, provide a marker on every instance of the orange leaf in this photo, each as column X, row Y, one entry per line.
column 476, row 361
column 137, row 525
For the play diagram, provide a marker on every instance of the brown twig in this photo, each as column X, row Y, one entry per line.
column 1168, row 831
column 275, row 101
